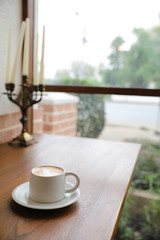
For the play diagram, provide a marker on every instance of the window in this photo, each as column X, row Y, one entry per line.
column 101, row 43
column 30, row 10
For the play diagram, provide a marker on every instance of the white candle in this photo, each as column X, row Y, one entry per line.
column 25, row 70
column 19, row 49
column 35, row 80
column 42, row 59
column 9, row 57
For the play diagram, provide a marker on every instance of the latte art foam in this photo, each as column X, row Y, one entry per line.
column 47, row 171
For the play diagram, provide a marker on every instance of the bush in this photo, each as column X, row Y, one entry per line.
column 141, row 221
column 147, row 172
column 143, row 225
column 91, row 117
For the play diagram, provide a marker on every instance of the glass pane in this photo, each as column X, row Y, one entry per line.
column 109, row 43
column 112, row 43
column 80, row 115
column 99, row 116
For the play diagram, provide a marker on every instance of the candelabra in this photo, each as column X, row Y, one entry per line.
column 27, row 97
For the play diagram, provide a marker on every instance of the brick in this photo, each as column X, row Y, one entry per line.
column 48, row 108
column 38, row 113
column 56, row 127
column 66, row 132
column 37, row 127
column 73, row 106
column 15, row 118
column 56, row 118
column 63, row 124
column 9, row 134
column 3, row 119
column 72, row 115
column 47, row 127
column 58, row 108
column 68, row 107
column 65, row 107
column 45, row 118
column 52, row 118
column 73, row 122
column 61, row 119
column 9, row 120
column 69, row 131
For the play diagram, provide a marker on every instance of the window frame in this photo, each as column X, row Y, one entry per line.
column 103, row 90
column 28, row 11
column 28, row 8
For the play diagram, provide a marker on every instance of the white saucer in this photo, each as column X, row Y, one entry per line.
column 21, row 196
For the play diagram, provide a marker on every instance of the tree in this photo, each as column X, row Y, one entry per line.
column 138, row 67
column 116, row 57
column 79, row 72
column 138, row 63
column 112, row 75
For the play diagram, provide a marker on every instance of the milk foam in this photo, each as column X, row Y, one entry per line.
column 47, row 171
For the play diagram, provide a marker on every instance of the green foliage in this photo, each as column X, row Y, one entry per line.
column 140, row 222
column 80, row 73
column 147, row 172
column 116, row 57
column 125, row 230
column 138, row 67
column 90, row 115
column 78, row 82
column 147, row 181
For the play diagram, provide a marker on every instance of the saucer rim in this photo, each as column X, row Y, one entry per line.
column 45, row 206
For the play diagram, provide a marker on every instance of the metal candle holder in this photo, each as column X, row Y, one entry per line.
column 28, row 96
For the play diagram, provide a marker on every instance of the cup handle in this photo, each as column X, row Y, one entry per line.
column 77, row 182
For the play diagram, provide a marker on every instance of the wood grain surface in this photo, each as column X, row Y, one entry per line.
column 105, row 169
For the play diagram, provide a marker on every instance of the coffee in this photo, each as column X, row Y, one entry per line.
column 47, row 171
column 48, row 183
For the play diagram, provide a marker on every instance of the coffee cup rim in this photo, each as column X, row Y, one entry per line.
column 47, row 166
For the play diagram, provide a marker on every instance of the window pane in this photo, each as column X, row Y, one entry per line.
column 109, row 43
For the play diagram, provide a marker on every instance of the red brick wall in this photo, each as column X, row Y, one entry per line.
column 57, row 114
column 38, row 120
column 53, row 118
column 10, row 126
column 60, row 119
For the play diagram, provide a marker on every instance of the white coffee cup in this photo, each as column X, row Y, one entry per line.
column 47, row 184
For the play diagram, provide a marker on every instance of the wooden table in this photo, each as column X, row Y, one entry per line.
column 105, row 169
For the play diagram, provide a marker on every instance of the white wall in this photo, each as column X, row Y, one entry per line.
column 10, row 18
